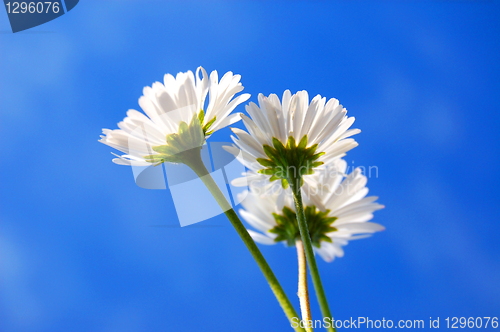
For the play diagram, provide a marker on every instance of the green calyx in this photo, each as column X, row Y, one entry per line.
column 289, row 163
column 318, row 224
column 206, row 126
column 184, row 146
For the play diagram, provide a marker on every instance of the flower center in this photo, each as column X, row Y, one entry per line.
column 289, row 163
column 318, row 223
column 184, row 146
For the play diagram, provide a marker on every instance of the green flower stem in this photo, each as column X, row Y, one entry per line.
column 303, row 292
column 196, row 164
column 311, row 260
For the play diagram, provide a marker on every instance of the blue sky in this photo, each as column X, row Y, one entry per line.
column 82, row 248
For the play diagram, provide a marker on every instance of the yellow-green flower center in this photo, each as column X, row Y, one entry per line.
column 318, row 224
column 289, row 163
column 184, row 145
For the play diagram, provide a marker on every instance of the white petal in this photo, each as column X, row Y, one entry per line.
column 328, row 251
column 255, row 222
column 262, row 239
column 364, row 227
column 227, row 121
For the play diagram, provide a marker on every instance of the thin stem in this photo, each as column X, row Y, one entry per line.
column 196, row 164
column 311, row 260
column 303, row 292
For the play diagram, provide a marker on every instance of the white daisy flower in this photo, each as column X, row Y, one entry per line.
column 288, row 139
column 177, row 117
column 336, row 212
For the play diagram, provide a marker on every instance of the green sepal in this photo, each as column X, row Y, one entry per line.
column 291, row 143
column 201, row 116
column 291, row 162
column 317, row 163
column 182, row 146
column 164, row 149
column 303, row 142
column 266, row 171
column 271, row 153
column 265, row 162
column 273, row 178
column 183, row 128
column 207, row 126
column 319, row 224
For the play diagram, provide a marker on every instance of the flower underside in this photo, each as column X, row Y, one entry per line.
column 206, row 127
column 289, row 163
column 318, row 223
column 183, row 146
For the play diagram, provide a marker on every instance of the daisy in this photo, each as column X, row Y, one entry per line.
column 177, row 117
column 177, row 120
column 288, row 139
column 337, row 211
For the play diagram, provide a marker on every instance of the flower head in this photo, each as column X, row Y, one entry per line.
column 289, row 139
column 177, row 117
column 337, row 210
